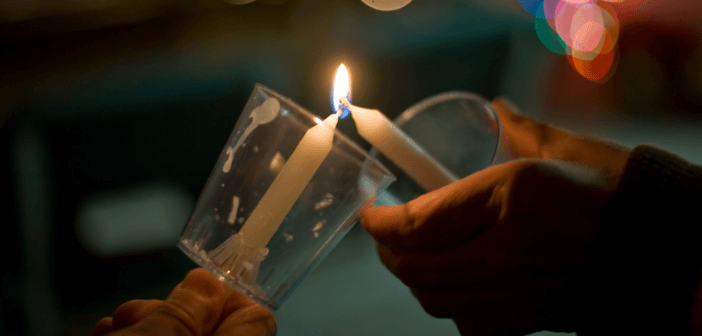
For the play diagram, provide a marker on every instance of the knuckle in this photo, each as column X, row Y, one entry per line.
column 414, row 270
column 408, row 224
column 266, row 317
column 545, row 138
column 103, row 327
column 197, row 273
column 526, row 169
column 133, row 311
column 126, row 313
column 433, row 305
column 541, row 132
column 405, row 271
column 418, row 217
column 399, row 265
column 436, row 310
column 183, row 322
column 413, row 275
column 527, row 175
column 127, row 306
column 254, row 320
column 202, row 281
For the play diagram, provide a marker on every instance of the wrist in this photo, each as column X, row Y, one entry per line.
column 643, row 270
column 696, row 310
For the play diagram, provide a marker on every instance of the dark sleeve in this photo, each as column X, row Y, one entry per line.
column 645, row 265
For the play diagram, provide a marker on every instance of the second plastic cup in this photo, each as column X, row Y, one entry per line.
column 284, row 191
column 459, row 129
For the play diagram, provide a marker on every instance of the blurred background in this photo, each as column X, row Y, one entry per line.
column 113, row 112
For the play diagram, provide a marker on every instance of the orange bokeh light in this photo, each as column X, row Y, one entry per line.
column 599, row 69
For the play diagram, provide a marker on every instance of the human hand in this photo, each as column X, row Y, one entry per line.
column 200, row 305
column 501, row 252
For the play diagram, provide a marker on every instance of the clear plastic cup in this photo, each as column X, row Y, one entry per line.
column 267, row 215
column 459, row 129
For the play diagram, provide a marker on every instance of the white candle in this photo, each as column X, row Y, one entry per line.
column 289, row 184
column 397, row 146
column 241, row 254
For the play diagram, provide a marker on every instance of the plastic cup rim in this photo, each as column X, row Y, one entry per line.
column 337, row 133
column 446, row 96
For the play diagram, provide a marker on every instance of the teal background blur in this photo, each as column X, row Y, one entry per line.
column 112, row 120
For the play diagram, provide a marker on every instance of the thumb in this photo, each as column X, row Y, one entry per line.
column 531, row 139
column 193, row 308
column 443, row 217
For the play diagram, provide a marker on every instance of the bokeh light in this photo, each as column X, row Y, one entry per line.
column 549, row 8
column 548, row 36
column 533, row 6
column 599, row 69
column 572, row 18
column 578, row 2
column 588, row 36
column 611, row 23
column 585, row 30
column 604, row 46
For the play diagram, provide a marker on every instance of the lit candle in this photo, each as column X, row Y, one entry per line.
column 390, row 140
column 242, row 253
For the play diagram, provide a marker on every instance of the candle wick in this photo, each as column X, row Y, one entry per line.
column 344, row 107
column 344, row 101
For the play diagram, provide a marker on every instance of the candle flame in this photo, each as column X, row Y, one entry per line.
column 342, row 90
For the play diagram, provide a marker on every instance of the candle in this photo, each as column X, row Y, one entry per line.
column 242, row 253
column 289, row 184
column 397, row 146
column 390, row 140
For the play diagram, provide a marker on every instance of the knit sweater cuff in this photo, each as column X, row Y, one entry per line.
column 645, row 264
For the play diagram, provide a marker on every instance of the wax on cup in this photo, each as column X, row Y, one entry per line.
column 242, row 253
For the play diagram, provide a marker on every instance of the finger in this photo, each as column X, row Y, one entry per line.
column 465, row 267
column 439, row 305
column 235, row 302
column 507, row 314
column 491, row 327
column 133, row 311
column 253, row 320
column 532, row 139
column 494, row 312
column 193, row 308
column 443, row 217
column 103, row 327
column 243, row 316
column 449, row 303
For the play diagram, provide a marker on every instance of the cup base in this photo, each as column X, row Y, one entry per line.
column 200, row 257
